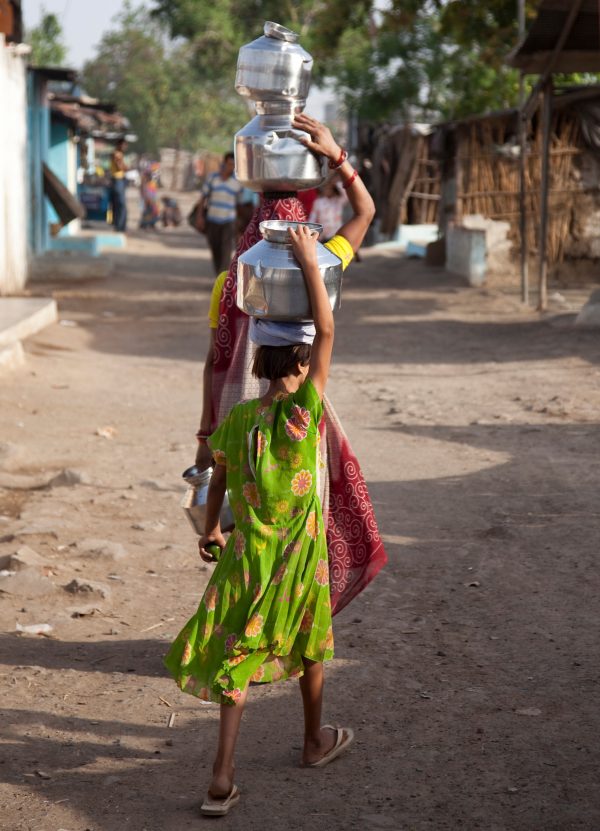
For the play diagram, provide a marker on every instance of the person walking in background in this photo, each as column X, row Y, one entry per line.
column 218, row 203
column 328, row 208
column 149, row 194
column 118, row 168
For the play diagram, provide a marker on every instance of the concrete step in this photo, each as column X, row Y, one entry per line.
column 12, row 356
column 21, row 317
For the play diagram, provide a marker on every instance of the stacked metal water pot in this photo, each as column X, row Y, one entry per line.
column 274, row 71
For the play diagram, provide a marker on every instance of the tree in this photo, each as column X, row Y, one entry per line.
column 153, row 83
column 47, row 47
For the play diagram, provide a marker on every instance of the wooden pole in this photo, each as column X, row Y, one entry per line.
column 546, row 128
column 523, row 170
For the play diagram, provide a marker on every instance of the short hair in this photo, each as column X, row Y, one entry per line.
column 273, row 362
column 228, row 156
column 121, row 142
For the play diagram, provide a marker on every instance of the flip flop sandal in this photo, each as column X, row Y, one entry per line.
column 344, row 737
column 217, row 807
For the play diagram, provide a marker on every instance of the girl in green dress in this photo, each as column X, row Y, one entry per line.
column 266, row 614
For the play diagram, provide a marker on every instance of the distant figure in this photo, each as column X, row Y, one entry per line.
column 219, row 201
column 328, row 208
column 171, row 213
column 118, row 168
column 149, row 192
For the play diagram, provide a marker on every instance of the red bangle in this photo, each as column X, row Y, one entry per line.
column 340, row 161
column 349, row 181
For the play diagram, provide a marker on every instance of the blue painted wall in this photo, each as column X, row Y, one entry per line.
column 58, row 159
column 38, row 134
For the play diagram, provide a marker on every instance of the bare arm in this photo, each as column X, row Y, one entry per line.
column 214, row 502
column 363, row 208
column 304, row 243
column 203, row 454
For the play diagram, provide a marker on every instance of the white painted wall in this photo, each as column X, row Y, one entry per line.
column 13, row 169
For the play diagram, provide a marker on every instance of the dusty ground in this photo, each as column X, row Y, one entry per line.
column 469, row 669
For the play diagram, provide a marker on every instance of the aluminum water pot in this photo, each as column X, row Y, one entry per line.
column 270, row 283
column 269, row 155
column 274, row 67
column 194, row 500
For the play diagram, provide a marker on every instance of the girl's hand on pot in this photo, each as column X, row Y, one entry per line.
column 216, row 538
column 321, row 140
column 304, row 244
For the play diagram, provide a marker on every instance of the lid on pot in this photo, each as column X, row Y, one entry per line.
column 276, row 30
column 276, row 230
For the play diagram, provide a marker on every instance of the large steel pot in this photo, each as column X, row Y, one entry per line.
column 274, row 67
column 270, row 283
column 270, row 157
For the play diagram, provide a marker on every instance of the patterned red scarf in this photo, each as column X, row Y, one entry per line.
column 356, row 552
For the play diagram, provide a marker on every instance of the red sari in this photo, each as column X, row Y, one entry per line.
column 356, row 552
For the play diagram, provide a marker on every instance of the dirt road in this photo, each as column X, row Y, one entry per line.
column 469, row 669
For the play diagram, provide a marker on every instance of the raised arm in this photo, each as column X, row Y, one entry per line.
column 304, row 244
column 363, row 208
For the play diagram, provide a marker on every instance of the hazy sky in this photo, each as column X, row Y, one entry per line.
column 85, row 21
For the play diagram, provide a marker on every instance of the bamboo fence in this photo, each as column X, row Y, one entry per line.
column 488, row 177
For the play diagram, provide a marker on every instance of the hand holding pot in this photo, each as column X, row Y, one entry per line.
column 321, row 139
column 304, row 245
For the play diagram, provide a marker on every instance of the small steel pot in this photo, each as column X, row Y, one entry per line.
column 194, row 500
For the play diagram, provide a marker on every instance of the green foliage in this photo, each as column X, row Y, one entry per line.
column 155, row 85
column 47, row 47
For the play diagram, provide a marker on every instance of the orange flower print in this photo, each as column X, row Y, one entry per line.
column 187, row 654
column 246, row 579
column 297, row 424
column 234, row 695
column 312, row 525
column 299, row 590
column 251, row 494
column 258, row 675
column 239, row 545
column 257, row 591
column 302, row 483
column 254, row 626
column 307, row 622
column 282, row 533
column 237, row 659
column 219, row 456
column 322, row 573
column 230, row 642
column 329, row 639
column 279, row 575
column 211, row 598
column 235, row 579
column 282, row 506
column 261, row 443
column 282, row 453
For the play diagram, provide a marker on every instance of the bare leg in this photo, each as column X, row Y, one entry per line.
column 317, row 741
column 229, row 728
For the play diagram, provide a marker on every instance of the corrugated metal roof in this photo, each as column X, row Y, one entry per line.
column 581, row 52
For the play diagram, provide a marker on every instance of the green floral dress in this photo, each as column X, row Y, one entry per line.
column 267, row 603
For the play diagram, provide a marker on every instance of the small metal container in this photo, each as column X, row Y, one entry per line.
column 194, row 500
column 270, row 283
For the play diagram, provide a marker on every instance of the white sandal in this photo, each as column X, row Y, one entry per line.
column 344, row 736
column 219, row 806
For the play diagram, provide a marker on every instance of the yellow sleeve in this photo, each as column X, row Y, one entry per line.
column 340, row 246
column 215, row 300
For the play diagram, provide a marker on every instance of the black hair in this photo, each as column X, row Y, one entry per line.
column 273, row 362
column 228, row 156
